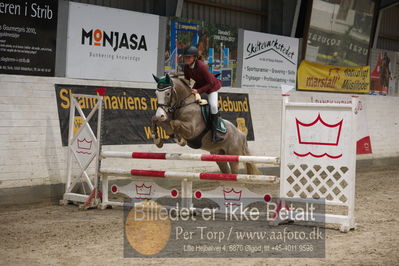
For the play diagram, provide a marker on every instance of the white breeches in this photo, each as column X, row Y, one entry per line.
column 213, row 102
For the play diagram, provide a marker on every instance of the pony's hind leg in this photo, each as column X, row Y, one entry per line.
column 234, row 167
column 223, row 166
column 252, row 169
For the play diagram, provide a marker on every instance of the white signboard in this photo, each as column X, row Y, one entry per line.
column 111, row 44
column 363, row 145
column 85, row 146
column 269, row 60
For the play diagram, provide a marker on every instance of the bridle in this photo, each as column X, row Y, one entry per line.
column 169, row 108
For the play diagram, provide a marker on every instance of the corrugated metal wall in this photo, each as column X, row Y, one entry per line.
column 233, row 18
column 145, row 6
column 279, row 18
column 122, row 4
column 272, row 16
column 389, row 29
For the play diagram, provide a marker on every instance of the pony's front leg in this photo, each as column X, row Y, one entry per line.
column 179, row 140
column 154, row 133
column 176, row 126
column 181, row 130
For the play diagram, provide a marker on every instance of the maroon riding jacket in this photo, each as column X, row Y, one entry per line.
column 204, row 80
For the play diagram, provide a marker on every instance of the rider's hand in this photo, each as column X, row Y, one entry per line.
column 194, row 91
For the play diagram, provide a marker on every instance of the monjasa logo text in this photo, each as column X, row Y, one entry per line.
column 113, row 39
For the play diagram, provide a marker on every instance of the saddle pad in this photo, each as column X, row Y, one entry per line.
column 205, row 113
column 221, row 126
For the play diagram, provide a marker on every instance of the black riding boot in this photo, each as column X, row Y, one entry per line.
column 214, row 121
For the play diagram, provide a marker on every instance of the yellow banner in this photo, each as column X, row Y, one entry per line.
column 315, row 77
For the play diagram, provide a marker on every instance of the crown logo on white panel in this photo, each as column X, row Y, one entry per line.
column 327, row 134
column 84, row 144
column 232, row 195
column 143, row 190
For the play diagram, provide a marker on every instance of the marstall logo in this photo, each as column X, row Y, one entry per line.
column 113, row 39
column 326, row 82
column 255, row 49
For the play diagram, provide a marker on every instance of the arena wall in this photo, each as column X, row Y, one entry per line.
column 31, row 153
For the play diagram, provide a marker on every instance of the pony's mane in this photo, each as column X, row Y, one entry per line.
column 185, row 82
column 182, row 80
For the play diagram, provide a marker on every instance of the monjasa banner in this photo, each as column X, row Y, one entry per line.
column 128, row 112
column 111, row 44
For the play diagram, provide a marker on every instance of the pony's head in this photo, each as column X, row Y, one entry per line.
column 170, row 93
column 164, row 96
column 163, row 83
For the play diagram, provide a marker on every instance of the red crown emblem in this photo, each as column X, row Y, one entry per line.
column 84, row 144
column 319, row 132
column 232, row 195
column 143, row 190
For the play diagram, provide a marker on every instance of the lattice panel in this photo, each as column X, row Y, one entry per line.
column 330, row 183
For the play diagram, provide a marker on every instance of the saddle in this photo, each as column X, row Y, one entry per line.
column 196, row 142
column 206, row 115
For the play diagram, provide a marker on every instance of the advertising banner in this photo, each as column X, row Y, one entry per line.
column 128, row 112
column 316, row 77
column 385, row 72
column 363, row 144
column 339, row 32
column 217, row 45
column 28, row 31
column 269, row 60
column 111, row 44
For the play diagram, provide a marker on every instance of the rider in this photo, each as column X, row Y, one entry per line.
column 195, row 69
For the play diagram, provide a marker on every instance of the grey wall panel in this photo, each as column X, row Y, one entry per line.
column 219, row 15
column 278, row 20
column 240, row 55
column 161, row 45
column 390, row 21
column 389, row 27
column 62, row 32
column 146, row 6
column 388, row 44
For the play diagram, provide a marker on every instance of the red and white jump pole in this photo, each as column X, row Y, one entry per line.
column 191, row 157
column 258, row 179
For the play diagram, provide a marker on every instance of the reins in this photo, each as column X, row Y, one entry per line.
column 181, row 104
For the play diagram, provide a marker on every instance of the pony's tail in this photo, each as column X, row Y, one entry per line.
column 251, row 167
